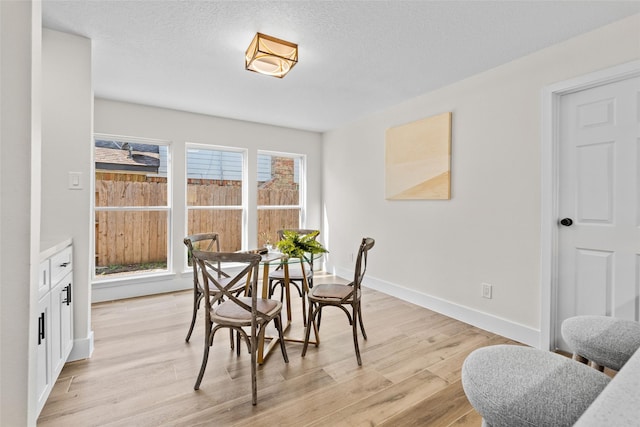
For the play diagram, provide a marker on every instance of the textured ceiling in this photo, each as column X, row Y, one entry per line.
column 356, row 57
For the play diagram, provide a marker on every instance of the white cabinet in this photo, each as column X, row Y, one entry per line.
column 55, row 317
column 61, row 323
column 44, row 278
column 43, row 376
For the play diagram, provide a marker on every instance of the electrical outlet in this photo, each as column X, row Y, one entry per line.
column 487, row 290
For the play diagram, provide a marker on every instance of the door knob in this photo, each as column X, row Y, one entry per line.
column 566, row 222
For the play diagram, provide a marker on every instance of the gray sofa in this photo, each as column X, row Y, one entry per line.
column 619, row 402
column 515, row 386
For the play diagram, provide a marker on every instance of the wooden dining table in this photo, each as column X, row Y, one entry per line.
column 279, row 259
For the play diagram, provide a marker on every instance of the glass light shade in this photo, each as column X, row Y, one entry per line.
column 271, row 56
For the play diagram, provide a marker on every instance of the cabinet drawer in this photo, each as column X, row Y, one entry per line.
column 44, row 278
column 61, row 265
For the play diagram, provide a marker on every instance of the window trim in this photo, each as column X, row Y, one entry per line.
column 302, row 191
column 243, row 207
column 136, row 277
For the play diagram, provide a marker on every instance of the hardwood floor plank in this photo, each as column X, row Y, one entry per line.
column 142, row 371
column 470, row 419
column 439, row 409
column 316, row 404
column 386, row 403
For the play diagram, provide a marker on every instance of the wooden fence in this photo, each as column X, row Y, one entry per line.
column 139, row 237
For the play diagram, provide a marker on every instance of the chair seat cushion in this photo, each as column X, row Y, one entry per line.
column 331, row 291
column 604, row 340
column 295, row 273
column 521, row 386
column 230, row 312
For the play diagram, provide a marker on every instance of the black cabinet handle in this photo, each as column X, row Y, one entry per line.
column 41, row 328
column 67, row 298
column 64, row 264
column 567, row 222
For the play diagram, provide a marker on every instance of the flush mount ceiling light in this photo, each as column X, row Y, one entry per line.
column 271, row 56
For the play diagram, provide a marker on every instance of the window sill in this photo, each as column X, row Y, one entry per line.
column 121, row 288
column 123, row 281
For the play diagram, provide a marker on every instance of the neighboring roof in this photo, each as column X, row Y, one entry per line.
column 114, row 155
column 201, row 163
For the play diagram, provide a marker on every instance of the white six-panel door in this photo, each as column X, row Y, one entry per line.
column 599, row 205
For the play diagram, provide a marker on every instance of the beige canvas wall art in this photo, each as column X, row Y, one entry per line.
column 418, row 160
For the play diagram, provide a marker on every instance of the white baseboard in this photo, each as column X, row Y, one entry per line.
column 82, row 348
column 486, row 321
column 482, row 320
column 102, row 291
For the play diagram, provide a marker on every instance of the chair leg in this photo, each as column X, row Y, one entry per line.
column 354, row 328
column 260, row 336
column 272, row 288
column 304, row 306
column 197, row 297
column 364, row 334
column 254, row 363
column 580, row 359
column 237, row 342
column 283, row 348
column 307, row 329
column 205, row 359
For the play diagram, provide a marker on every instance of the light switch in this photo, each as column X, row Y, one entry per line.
column 75, row 180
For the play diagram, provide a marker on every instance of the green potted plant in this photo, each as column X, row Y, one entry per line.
column 298, row 245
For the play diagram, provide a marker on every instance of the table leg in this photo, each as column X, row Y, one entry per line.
column 305, row 288
column 275, row 341
column 287, row 292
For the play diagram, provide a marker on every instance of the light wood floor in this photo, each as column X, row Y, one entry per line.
column 142, row 371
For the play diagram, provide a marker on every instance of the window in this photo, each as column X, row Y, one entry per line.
column 214, row 194
column 131, row 207
column 279, row 194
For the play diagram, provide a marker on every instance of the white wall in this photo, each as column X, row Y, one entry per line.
column 20, row 84
column 178, row 127
column 67, row 114
column 437, row 253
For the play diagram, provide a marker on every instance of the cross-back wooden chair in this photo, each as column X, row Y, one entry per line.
column 296, row 278
column 341, row 296
column 225, row 309
column 205, row 242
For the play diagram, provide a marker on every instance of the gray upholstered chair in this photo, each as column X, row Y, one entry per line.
column 514, row 386
column 604, row 341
